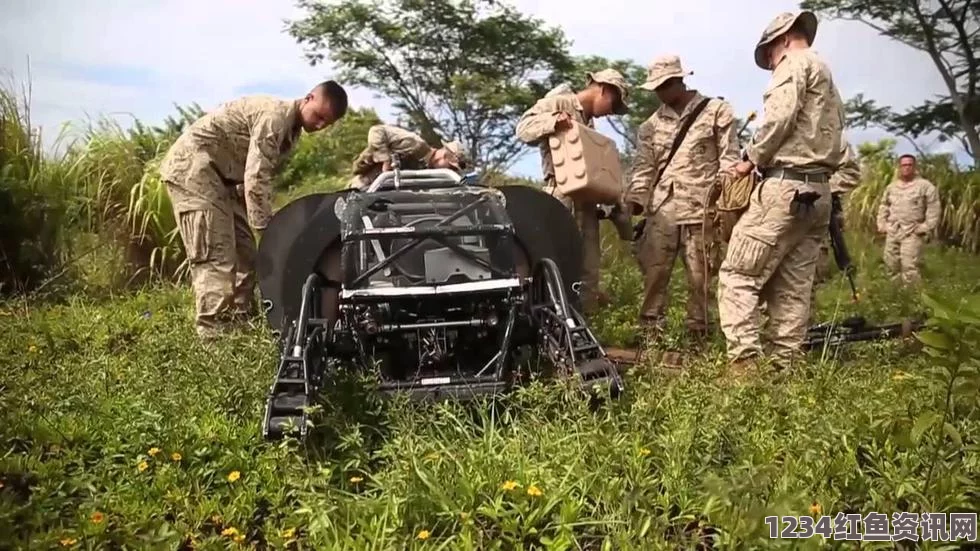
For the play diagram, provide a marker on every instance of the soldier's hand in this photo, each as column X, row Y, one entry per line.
column 743, row 168
column 563, row 122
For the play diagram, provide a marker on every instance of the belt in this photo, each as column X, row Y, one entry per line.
column 790, row 174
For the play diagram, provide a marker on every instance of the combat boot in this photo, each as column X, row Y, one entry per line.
column 742, row 370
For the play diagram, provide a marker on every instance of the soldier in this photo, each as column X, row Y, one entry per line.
column 605, row 94
column 774, row 245
column 413, row 153
column 242, row 143
column 670, row 193
column 909, row 212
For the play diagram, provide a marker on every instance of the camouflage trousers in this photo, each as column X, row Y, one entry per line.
column 657, row 251
column 587, row 217
column 821, row 274
column 771, row 257
column 221, row 256
column 902, row 255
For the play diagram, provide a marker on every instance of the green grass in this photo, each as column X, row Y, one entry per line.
column 92, row 385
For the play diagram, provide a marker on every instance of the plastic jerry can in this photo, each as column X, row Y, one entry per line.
column 586, row 164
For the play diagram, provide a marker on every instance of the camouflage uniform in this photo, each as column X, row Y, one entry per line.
column 534, row 126
column 383, row 141
column 240, row 143
column 674, row 210
column 909, row 211
column 773, row 250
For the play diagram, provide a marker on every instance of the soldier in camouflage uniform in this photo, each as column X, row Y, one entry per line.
column 909, row 212
column 219, row 177
column 674, row 206
column 413, row 154
column 605, row 94
column 774, row 245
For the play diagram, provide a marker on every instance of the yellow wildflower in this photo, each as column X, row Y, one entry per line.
column 815, row 509
column 533, row 491
column 230, row 532
column 143, row 466
column 644, row 451
column 423, row 535
column 240, row 538
column 289, row 533
column 509, row 485
column 175, row 456
column 356, row 479
column 233, row 476
column 153, row 451
column 97, row 517
column 68, row 542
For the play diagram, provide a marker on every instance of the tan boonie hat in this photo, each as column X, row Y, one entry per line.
column 664, row 68
column 613, row 78
column 459, row 151
column 778, row 27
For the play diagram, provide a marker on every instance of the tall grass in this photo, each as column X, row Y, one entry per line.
column 35, row 201
column 959, row 192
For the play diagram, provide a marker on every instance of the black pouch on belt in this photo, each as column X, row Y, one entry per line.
column 802, row 202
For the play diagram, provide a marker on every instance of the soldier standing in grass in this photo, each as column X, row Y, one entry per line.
column 605, row 94
column 908, row 213
column 671, row 192
column 774, row 246
column 413, row 154
column 242, row 143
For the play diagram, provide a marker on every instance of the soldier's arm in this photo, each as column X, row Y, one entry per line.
column 848, row 174
column 644, row 169
column 882, row 221
column 385, row 140
column 782, row 101
column 538, row 121
column 933, row 208
column 726, row 137
column 266, row 137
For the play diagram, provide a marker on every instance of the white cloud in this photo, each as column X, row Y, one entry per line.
column 150, row 55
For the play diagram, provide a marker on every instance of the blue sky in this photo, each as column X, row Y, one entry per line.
column 86, row 58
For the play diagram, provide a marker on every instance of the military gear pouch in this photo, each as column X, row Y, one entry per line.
column 802, row 203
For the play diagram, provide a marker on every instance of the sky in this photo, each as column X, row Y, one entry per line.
column 86, row 58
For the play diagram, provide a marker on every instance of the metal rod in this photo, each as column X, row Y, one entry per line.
column 389, row 327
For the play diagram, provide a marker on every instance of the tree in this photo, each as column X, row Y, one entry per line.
column 455, row 69
column 948, row 31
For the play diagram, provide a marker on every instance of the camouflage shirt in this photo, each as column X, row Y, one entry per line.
column 242, row 142
column 804, row 117
column 383, row 141
column 538, row 122
column 710, row 146
column 909, row 207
